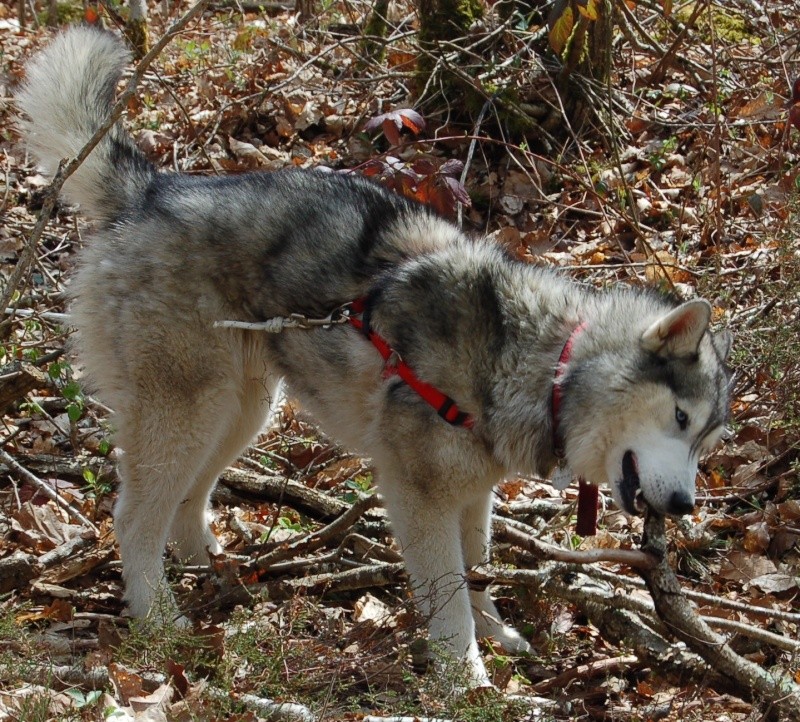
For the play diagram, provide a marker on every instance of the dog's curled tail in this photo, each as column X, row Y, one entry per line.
column 67, row 95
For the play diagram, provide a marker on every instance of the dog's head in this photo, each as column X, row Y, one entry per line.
column 656, row 415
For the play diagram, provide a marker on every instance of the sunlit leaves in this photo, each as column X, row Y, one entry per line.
column 561, row 30
column 425, row 179
column 394, row 121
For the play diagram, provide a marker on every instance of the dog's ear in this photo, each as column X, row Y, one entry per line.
column 722, row 340
column 678, row 333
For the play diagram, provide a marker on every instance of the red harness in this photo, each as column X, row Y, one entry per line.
column 447, row 408
column 395, row 366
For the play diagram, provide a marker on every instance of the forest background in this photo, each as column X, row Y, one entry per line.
column 642, row 142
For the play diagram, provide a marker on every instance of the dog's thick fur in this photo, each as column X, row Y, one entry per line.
column 644, row 391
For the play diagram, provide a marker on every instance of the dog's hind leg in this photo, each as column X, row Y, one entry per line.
column 167, row 445
column 476, row 527
column 190, row 533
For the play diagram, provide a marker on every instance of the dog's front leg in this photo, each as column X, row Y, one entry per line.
column 476, row 525
column 430, row 536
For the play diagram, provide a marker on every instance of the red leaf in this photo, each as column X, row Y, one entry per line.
column 394, row 121
column 405, row 185
column 424, row 166
column 373, row 167
column 391, row 131
column 412, row 120
column 90, row 15
column 452, row 167
column 458, row 191
column 177, row 672
column 441, row 200
column 425, row 190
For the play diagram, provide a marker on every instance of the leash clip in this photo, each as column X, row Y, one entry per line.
column 335, row 318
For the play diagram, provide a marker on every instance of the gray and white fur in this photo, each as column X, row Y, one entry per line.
column 645, row 391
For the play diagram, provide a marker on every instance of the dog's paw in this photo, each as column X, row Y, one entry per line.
column 512, row 641
column 488, row 624
column 196, row 546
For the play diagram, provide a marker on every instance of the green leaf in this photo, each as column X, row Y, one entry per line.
column 74, row 411
column 71, row 391
column 84, row 700
column 561, row 30
column 589, row 9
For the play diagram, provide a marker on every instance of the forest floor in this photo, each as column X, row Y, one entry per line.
column 686, row 178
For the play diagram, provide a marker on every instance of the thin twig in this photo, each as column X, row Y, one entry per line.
column 46, row 490
column 338, row 527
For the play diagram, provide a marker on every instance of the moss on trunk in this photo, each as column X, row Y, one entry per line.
column 375, row 28
column 442, row 21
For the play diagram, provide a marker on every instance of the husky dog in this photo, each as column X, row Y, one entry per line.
column 443, row 374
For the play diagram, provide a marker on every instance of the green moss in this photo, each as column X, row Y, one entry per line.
column 66, row 13
column 375, row 28
column 443, row 20
column 728, row 24
column 449, row 20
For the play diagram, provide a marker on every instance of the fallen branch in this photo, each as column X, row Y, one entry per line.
column 46, row 490
column 65, row 677
column 780, row 694
column 373, row 575
column 507, row 530
column 19, row 380
column 621, row 619
column 601, row 667
column 17, row 570
column 722, row 602
column 267, row 708
column 280, row 489
column 337, row 529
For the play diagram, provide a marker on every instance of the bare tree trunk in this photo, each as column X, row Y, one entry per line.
column 136, row 29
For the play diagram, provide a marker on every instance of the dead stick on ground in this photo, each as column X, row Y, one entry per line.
column 601, row 667
column 66, row 169
column 46, row 490
column 504, row 530
column 781, row 694
column 338, row 527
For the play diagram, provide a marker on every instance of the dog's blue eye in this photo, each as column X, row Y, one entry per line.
column 682, row 418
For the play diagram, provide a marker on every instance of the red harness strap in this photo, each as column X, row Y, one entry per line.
column 395, row 366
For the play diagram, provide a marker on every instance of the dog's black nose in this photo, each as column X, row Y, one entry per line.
column 680, row 503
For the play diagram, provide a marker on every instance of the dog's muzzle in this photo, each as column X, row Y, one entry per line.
column 633, row 498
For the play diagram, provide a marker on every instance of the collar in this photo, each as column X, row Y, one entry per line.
column 588, row 494
column 358, row 316
column 558, row 392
